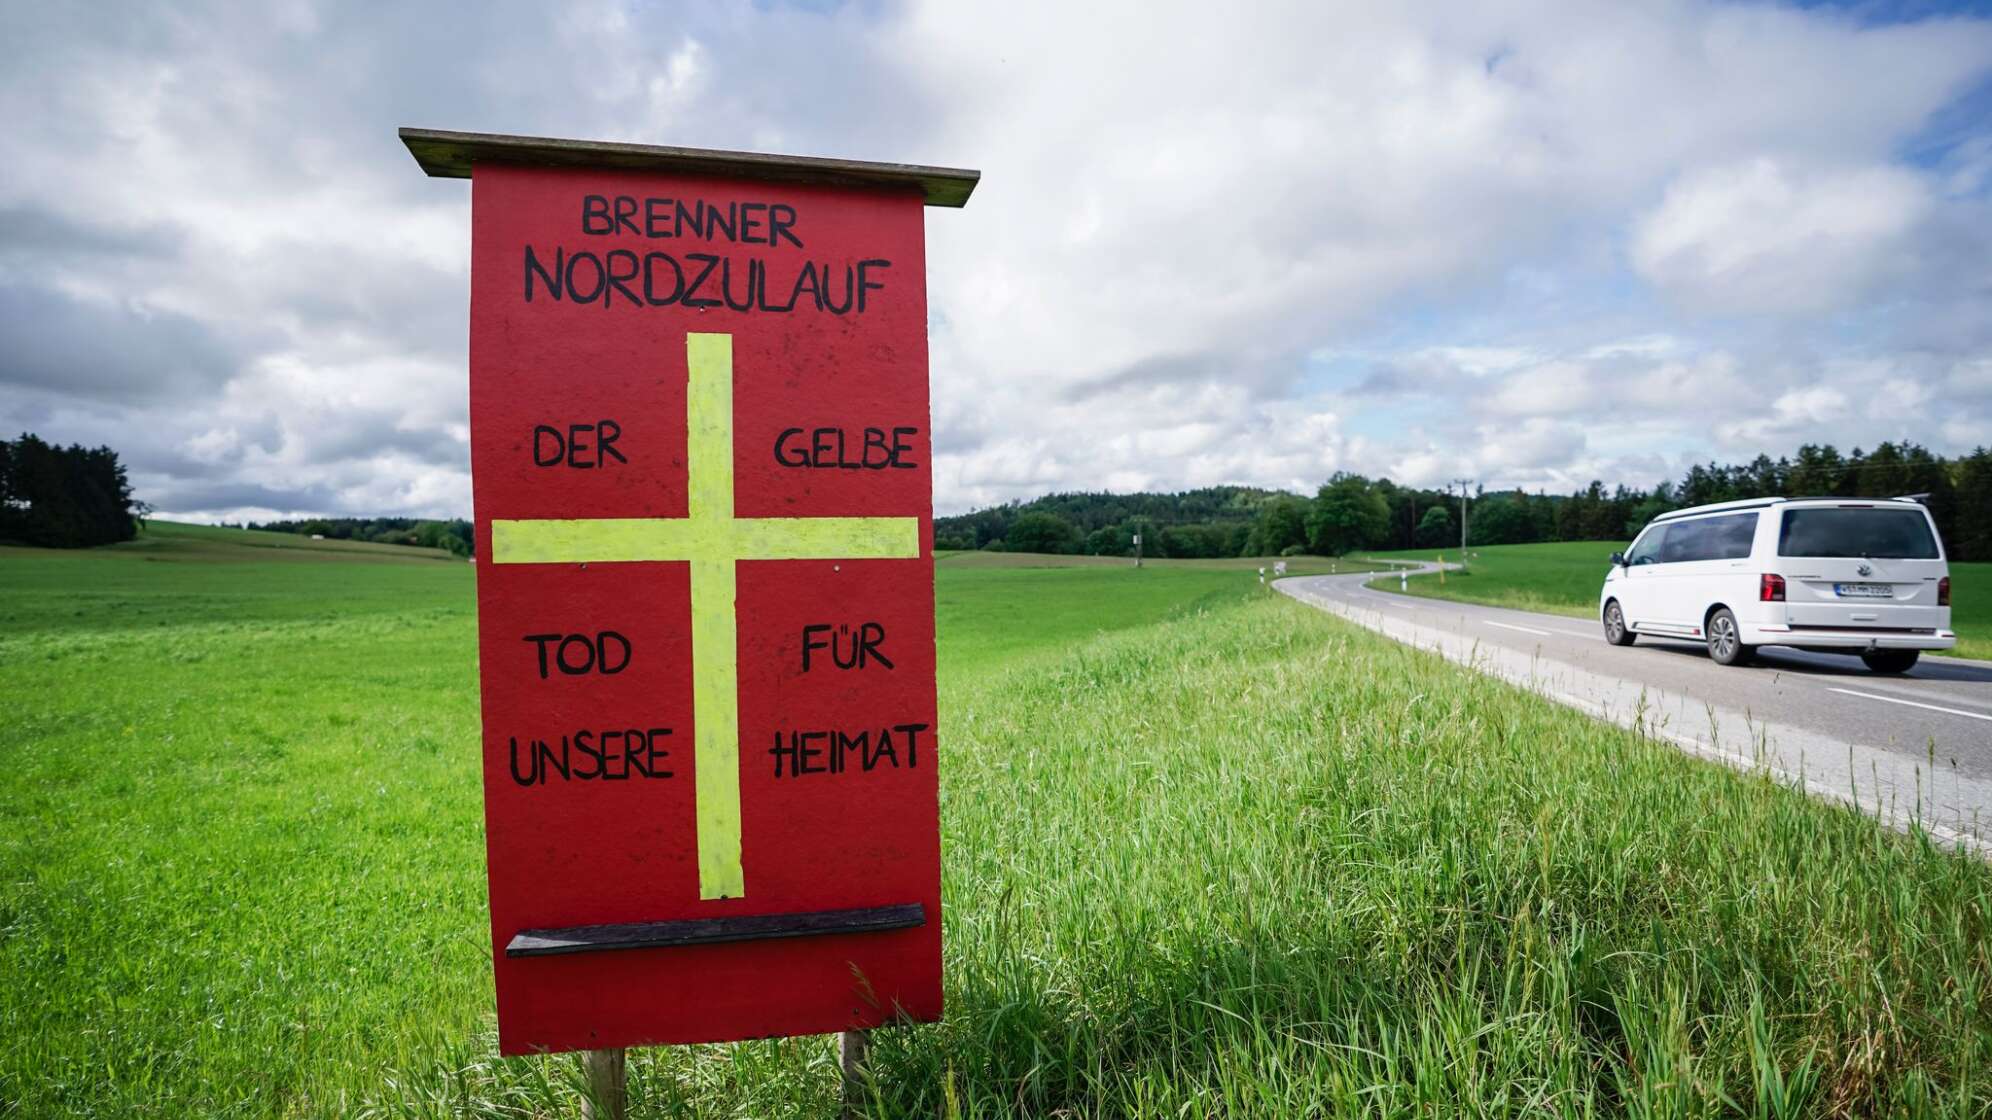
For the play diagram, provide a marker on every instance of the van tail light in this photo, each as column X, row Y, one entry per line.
column 1943, row 592
column 1770, row 588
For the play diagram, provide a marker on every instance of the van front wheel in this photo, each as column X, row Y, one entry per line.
column 1725, row 640
column 1890, row 660
column 1616, row 631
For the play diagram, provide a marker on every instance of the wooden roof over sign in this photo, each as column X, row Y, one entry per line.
column 449, row 155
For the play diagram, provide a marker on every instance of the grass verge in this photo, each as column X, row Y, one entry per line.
column 1207, row 852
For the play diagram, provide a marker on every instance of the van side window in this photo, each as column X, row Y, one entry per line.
column 1728, row 537
column 1686, row 540
column 1647, row 549
column 1731, row 536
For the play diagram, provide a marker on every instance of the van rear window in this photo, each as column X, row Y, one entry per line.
column 1878, row 534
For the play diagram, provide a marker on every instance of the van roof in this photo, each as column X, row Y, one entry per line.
column 1761, row 503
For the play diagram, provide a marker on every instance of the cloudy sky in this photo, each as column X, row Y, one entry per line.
column 1533, row 243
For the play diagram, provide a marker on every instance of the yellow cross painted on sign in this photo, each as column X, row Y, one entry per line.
column 711, row 539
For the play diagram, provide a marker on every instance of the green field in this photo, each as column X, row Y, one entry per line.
column 1564, row 578
column 1010, row 606
column 1207, row 852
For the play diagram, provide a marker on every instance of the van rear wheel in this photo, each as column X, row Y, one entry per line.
column 1890, row 660
column 1616, row 631
column 1725, row 640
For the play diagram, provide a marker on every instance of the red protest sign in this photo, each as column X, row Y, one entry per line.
column 702, row 470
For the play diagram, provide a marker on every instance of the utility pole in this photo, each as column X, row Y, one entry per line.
column 1462, row 483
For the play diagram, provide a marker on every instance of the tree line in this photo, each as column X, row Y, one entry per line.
column 1213, row 521
column 455, row 537
column 71, row 497
column 64, row 497
column 1350, row 512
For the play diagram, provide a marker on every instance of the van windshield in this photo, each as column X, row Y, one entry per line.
column 1877, row 534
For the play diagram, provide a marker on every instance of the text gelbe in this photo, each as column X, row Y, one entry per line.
column 875, row 449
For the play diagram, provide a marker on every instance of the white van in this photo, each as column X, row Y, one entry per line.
column 1862, row 576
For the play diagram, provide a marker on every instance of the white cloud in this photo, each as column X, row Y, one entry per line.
column 1388, row 162
column 1762, row 237
column 1182, row 218
column 1792, row 412
column 1530, row 444
column 1552, row 388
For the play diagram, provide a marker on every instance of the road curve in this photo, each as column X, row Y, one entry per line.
column 1915, row 747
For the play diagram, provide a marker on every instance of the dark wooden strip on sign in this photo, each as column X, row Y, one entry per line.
column 450, row 155
column 707, row 931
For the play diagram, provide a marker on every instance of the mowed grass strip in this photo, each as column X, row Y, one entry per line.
column 1244, row 860
column 1296, row 565
column 999, row 610
column 1565, row 578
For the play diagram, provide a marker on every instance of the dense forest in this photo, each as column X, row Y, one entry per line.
column 64, row 497
column 1216, row 521
column 1350, row 512
column 454, row 537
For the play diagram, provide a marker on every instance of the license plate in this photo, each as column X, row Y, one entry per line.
column 1864, row 590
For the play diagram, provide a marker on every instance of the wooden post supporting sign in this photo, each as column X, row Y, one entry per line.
column 702, row 467
column 853, row 1048
column 604, row 1084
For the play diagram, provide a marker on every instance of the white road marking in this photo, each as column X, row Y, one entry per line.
column 1574, row 632
column 1523, row 629
column 1913, row 704
column 1907, row 691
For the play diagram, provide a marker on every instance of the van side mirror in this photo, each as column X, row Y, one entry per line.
column 1618, row 559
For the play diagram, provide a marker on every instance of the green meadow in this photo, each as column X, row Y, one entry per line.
column 1207, row 853
column 1564, row 578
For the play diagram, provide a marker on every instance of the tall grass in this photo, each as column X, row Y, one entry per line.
column 1255, row 864
column 1232, row 858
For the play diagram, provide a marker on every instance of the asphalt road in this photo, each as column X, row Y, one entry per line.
column 1915, row 746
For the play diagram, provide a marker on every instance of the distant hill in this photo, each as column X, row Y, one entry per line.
column 182, row 541
column 1350, row 512
column 454, row 536
column 1215, row 521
